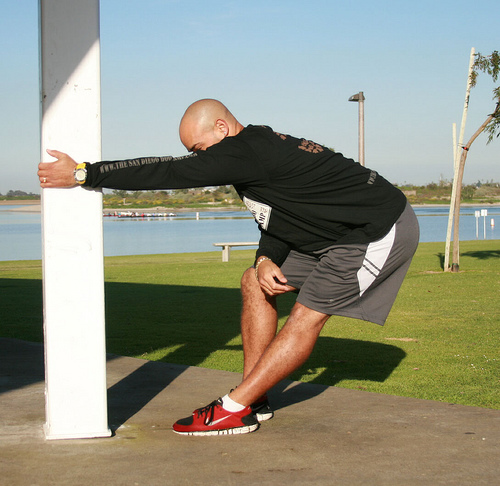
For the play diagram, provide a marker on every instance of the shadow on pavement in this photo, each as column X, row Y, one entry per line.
column 141, row 318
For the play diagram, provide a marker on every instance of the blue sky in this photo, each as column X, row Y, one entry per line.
column 288, row 64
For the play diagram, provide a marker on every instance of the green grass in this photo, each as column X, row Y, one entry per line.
column 440, row 342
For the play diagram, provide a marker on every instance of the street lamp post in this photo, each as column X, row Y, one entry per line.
column 360, row 99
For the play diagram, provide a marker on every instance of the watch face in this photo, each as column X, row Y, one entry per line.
column 80, row 175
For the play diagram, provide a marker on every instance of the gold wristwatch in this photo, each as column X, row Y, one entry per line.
column 80, row 173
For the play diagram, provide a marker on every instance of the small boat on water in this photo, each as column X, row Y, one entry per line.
column 137, row 214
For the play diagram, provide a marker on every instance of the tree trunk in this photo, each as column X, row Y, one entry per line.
column 456, row 221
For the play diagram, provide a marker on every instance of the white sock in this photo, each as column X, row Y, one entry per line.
column 230, row 405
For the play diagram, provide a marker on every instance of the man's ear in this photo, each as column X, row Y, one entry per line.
column 221, row 128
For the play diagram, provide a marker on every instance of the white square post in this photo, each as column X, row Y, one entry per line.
column 72, row 245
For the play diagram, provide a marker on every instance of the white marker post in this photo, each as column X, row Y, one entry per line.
column 477, row 214
column 72, row 246
column 484, row 213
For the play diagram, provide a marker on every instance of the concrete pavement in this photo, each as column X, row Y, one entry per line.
column 320, row 435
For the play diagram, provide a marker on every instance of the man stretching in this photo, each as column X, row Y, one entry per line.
column 337, row 233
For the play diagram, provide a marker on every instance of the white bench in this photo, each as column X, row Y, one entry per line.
column 226, row 247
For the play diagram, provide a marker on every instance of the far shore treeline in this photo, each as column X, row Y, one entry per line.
column 226, row 196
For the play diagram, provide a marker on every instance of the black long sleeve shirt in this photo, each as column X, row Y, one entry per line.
column 302, row 195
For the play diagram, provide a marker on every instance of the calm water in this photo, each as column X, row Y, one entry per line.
column 20, row 233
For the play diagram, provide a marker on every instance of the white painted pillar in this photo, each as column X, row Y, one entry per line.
column 72, row 245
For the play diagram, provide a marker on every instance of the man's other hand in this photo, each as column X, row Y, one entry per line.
column 271, row 279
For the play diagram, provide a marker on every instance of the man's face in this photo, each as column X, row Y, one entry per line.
column 194, row 137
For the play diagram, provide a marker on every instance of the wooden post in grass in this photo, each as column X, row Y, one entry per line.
column 72, row 247
column 456, row 191
column 451, row 210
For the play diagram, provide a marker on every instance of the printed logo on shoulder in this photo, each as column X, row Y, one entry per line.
column 312, row 147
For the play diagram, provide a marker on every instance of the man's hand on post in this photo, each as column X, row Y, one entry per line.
column 271, row 279
column 59, row 173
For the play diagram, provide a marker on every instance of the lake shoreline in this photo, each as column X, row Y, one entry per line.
column 34, row 206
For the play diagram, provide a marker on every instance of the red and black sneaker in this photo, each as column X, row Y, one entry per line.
column 215, row 420
column 261, row 409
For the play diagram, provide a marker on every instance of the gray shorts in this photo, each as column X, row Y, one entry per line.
column 356, row 280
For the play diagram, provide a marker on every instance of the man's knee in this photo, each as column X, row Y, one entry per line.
column 251, row 290
column 249, row 284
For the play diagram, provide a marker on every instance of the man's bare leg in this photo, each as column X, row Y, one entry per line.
column 287, row 351
column 259, row 320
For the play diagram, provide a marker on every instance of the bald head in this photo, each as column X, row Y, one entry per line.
column 205, row 123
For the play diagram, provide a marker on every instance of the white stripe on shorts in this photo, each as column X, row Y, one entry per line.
column 375, row 258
